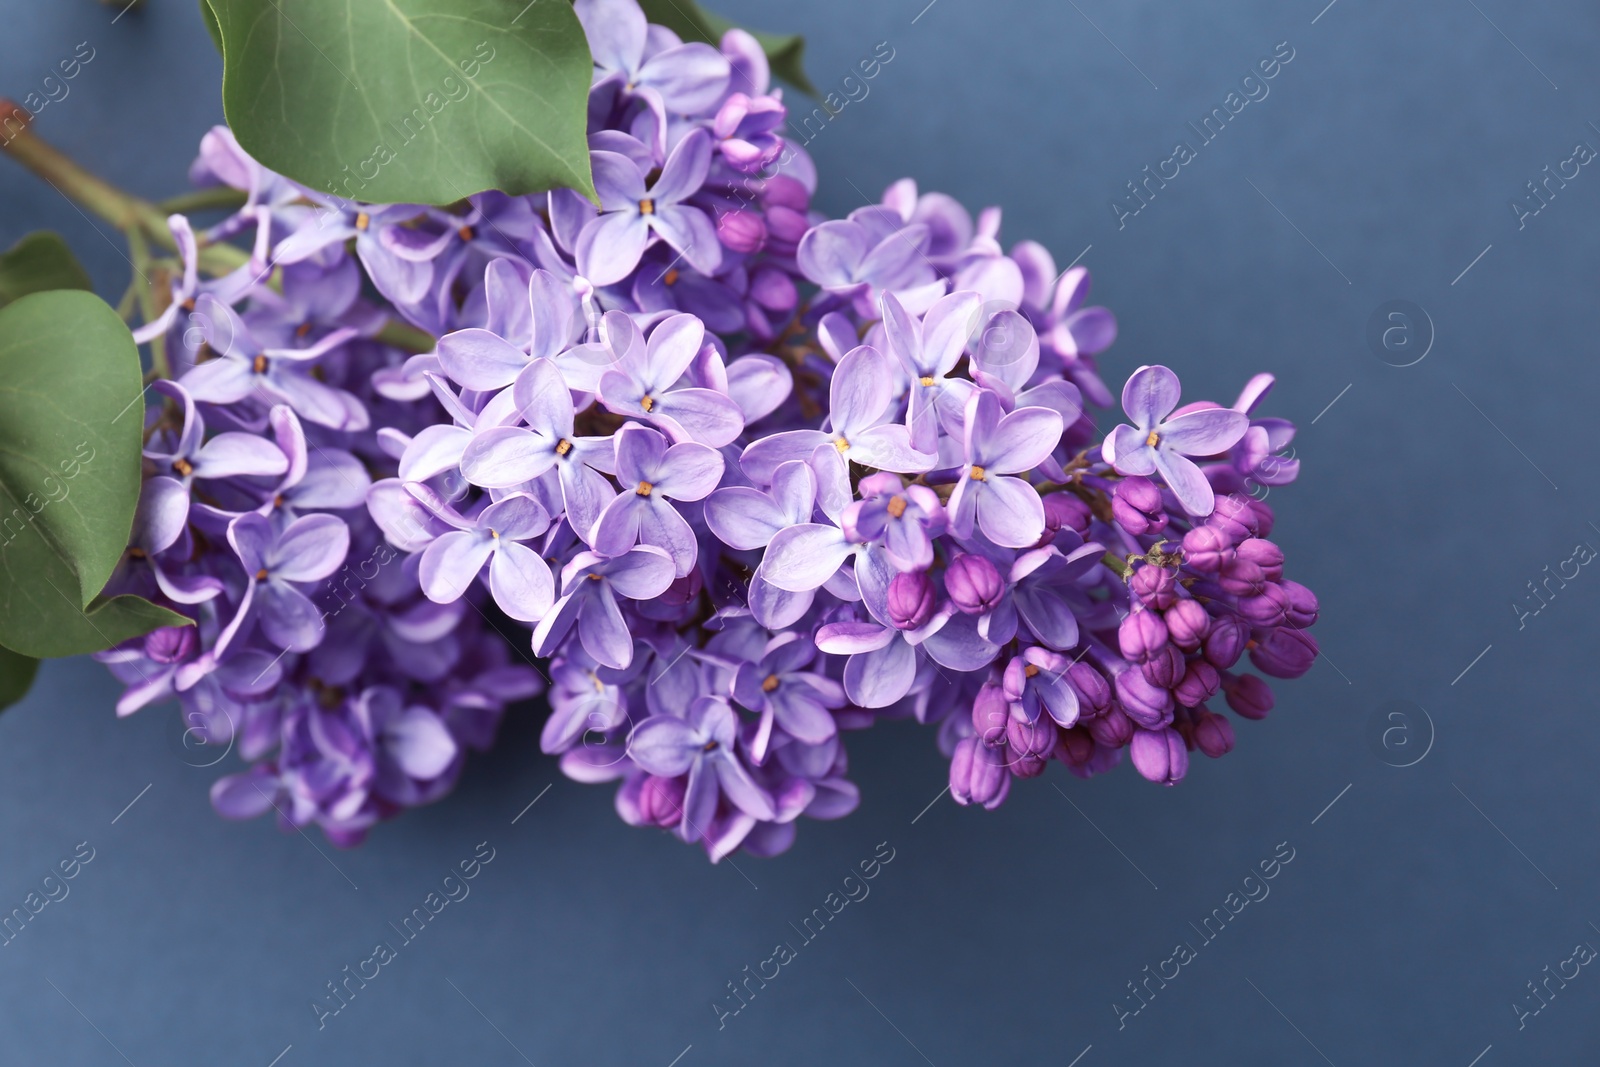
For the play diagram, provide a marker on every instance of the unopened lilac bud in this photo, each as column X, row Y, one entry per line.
column 1236, row 511
column 1093, row 690
column 1264, row 517
column 786, row 225
column 1248, row 695
column 661, row 800
column 1136, row 506
column 1156, row 587
column 973, row 583
column 1029, row 766
column 1213, row 734
column 910, row 599
column 1242, row 578
column 1206, row 548
column 978, row 774
column 990, row 713
column 1302, row 604
column 1284, row 653
column 1075, row 747
column 1069, row 511
column 1112, row 729
column 1164, row 668
column 773, row 289
column 1159, row 755
column 1225, row 641
column 784, row 191
column 1037, row 738
column 1268, row 609
column 1187, row 623
column 169, row 644
column 1142, row 635
column 742, row 231
column 1199, row 683
column 1148, row 705
column 1264, row 554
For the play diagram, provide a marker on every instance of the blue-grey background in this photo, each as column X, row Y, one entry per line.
column 1416, row 907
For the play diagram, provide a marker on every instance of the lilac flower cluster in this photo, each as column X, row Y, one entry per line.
column 750, row 476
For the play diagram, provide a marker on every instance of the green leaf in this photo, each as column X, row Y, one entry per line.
column 212, row 28
column 410, row 101
column 70, row 429
column 785, row 52
column 38, row 262
column 16, row 676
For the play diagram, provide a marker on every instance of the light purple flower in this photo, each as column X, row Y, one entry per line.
column 307, row 550
column 747, row 519
column 785, row 694
column 701, row 746
column 903, row 518
column 589, row 584
column 684, row 79
column 929, row 350
column 653, row 476
column 1006, row 509
column 519, row 577
column 609, row 247
column 641, row 381
column 1155, row 443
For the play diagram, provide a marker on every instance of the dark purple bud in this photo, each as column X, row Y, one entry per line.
column 1205, row 548
column 1029, row 766
column 742, row 231
column 1225, row 642
column 1264, row 517
column 1093, row 689
column 990, row 713
column 1136, row 506
column 1112, row 729
column 169, row 644
column 910, row 599
column 1248, row 695
column 1187, row 623
column 1242, row 578
column 1076, row 746
column 1148, row 705
column 1035, row 739
column 1142, row 635
column 1213, row 734
column 973, row 583
column 1267, row 610
column 683, row 590
column 773, row 290
column 978, row 774
column 786, row 225
column 661, row 800
column 1234, row 510
column 1156, row 587
column 1264, row 554
column 1067, row 510
column 1302, row 604
column 1159, row 755
column 784, row 191
column 1164, row 668
column 1199, row 684
column 1284, row 653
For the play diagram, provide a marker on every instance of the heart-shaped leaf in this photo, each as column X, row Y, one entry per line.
column 70, row 426
column 785, row 52
column 410, row 101
column 39, row 262
column 16, row 676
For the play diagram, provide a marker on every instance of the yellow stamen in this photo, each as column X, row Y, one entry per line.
column 841, row 444
column 466, row 233
column 647, row 207
column 1153, row 439
column 495, row 534
column 563, row 446
column 183, row 467
column 671, row 277
column 925, row 381
column 302, row 329
column 897, row 506
column 261, row 575
column 363, row 220
column 769, row 683
column 647, row 402
column 644, row 488
column 1030, row 670
column 977, row 473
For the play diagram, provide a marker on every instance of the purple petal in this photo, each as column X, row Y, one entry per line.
column 1204, row 433
column 310, row 548
column 500, row 458
column 479, row 359
column 740, row 788
column 1010, row 512
column 664, row 745
column 829, row 253
column 801, row 558
column 610, row 246
column 1149, row 395
column 449, row 565
column 435, row 450
column 642, row 574
column 1186, row 481
column 741, row 517
column 287, row 616
column 688, row 471
column 521, row 582
column 878, row 679
column 861, row 389
column 1125, row 447
column 617, row 181
column 419, row 743
column 1021, row 441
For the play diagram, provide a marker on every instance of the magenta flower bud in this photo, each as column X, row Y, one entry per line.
column 978, row 774
column 786, row 225
column 1264, row 554
column 661, row 800
column 1092, row 687
column 1242, row 578
column 1302, row 604
column 1199, row 684
column 1031, row 739
column 1206, row 548
column 1148, row 705
column 1112, row 729
column 973, row 583
column 1075, row 747
column 169, row 644
column 1264, row 517
column 1213, row 734
column 1234, row 510
column 1136, row 506
column 1067, row 510
column 1156, row 587
column 1159, row 755
column 1142, row 635
column 1267, row 610
column 1248, row 695
column 990, row 713
column 910, row 599
column 1029, row 766
column 784, row 191
column 1187, row 623
column 1285, row 653
column 773, row 289
column 1225, row 642
column 1164, row 668
column 742, row 231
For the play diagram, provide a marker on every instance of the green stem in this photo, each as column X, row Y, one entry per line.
column 139, row 253
column 1118, row 564
column 216, row 198
column 405, row 336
